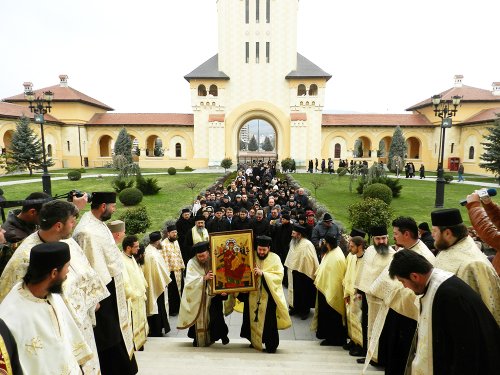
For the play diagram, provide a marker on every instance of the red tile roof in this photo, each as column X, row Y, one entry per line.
column 486, row 115
column 374, row 120
column 298, row 116
column 216, row 118
column 182, row 119
column 9, row 110
column 63, row 94
column 468, row 93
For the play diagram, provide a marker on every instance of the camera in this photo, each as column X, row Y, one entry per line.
column 78, row 194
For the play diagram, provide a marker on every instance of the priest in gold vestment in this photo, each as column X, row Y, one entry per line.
column 156, row 273
column 329, row 321
column 265, row 310
column 171, row 252
column 113, row 331
column 200, row 311
column 135, row 291
column 48, row 340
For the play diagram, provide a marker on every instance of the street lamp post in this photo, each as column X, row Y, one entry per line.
column 444, row 109
column 40, row 105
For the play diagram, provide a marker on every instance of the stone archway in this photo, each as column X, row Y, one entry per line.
column 413, row 148
column 105, row 146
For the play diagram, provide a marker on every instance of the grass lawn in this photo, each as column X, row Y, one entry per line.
column 165, row 205
column 416, row 200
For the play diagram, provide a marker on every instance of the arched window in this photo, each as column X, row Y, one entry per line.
column 178, row 150
column 313, row 90
column 471, row 152
column 105, row 146
column 213, row 90
column 301, row 90
column 202, row 90
column 338, row 150
column 49, row 150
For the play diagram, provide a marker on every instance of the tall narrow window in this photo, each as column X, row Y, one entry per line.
column 471, row 152
column 178, row 150
column 268, row 11
column 257, row 10
column 338, row 150
column 69, row 146
column 247, row 11
column 257, row 47
column 452, row 148
column 268, row 52
column 49, row 150
column 247, row 52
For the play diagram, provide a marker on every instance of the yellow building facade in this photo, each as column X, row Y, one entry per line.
column 256, row 74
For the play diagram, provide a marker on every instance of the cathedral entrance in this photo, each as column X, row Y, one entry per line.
column 257, row 142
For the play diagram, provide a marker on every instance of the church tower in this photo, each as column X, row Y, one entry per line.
column 257, row 74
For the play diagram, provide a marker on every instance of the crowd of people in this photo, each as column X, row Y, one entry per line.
column 82, row 296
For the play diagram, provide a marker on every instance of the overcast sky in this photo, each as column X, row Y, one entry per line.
column 384, row 56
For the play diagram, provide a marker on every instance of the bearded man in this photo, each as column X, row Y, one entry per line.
column 200, row 311
column 113, row 331
column 398, row 314
column 302, row 263
column 171, row 252
column 157, row 275
column 377, row 257
column 265, row 310
column 198, row 233
column 459, row 255
column 48, row 340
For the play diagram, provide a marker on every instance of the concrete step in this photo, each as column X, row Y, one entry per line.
column 170, row 355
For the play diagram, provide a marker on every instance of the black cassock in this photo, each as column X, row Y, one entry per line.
column 330, row 325
column 113, row 356
column 11, row 347
column 304, row 293
column 465, row 336
column 217, row 326
column 174, row 298
column 158, row 323
column 270, row 336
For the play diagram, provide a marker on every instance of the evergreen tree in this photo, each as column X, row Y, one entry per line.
column 397, row 149
column 26, row 149
column 381, row 148
column 267, row 145
column 491, row 156
column 252, row 145
column 158, row 147
column 358, row 148
column 123, row 145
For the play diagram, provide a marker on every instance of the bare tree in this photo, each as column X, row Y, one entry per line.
column 317, row 182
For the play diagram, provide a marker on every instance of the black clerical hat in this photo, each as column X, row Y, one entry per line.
column 170, row 228
column 154, row 236
column 299, row 228
column 378, row 231
column 200, row 247
column 45, row 257
column 357, row 232
column 184, row 210
column 100, row 197
column 446, row 218
column 264, row 241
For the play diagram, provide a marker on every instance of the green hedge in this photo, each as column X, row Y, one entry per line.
column 378, row 191
column 74, row 175
column 130, row 196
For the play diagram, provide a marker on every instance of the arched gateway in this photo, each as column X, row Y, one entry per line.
column 257, row 140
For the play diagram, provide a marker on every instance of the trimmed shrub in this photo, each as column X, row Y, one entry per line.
column 393, row 183
column 368, row 213
column 286, row 164
column 130, row 196
column 187, row 168
column 148, row 186
column 448, row 177
column 171, row 171
column 119, row 184
column 74, row 175
column 136, row 220
column 341, row 171
column 379, row 191
column 226, row 163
